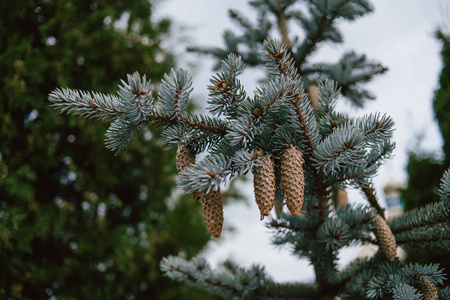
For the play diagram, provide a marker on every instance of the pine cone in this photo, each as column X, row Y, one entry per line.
column 385, row 238
column 186, row 157
column 292, row 179
column 428, row 290
column 341, row 198
column 213, row 212
column 264, row 185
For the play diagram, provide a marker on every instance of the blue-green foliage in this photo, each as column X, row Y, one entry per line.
column 234, row 281
column 444, row 191
column 338, row 151
column 402, row 282
column 318, row 21
column 280, row 114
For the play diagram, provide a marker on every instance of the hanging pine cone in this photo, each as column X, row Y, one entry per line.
column 341, row 198
column 292, row 179
column 264, row 185
column 428, row 290
column 213, row 212
column 186, row 157
column 385, row 238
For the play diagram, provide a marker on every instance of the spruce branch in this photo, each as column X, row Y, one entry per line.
column 199, row 121
column 86, row 105
column 319, row 23
column 444, row 190
column 244, row 160
column 379, row 153
column 279, row 63
column 350, row 73
column 136, row 98
column 326, row 98
column 316, row 27
column 431, row 214
column 240, row 19
column 404, row 291
column 320, row 26
column 340, row 149
column 334, row 233
column 226, row 92
column 432, row 238
column 306, row 120
column 174, row 93
column 288, row 224
column 277, row 59
column 391, row 278
column 433, row 244
column 330, row 121
column 120, row 134
column 444, row 293
column 206, row 175
column 242, row 130
column 355, row 216
column 428, row 225
column 375, row 128
column 249, row 283
column 354, row 277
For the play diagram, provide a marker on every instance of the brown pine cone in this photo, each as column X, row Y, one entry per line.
column 428, row 290
column 292, row 179
column 186, row 157
column 385, row 238
column 341, row 198
column 213, row 212
column 264, row 184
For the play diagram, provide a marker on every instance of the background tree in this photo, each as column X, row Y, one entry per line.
column 424, row 168
column 76, row 221
column 318, row 21
column 301, row 153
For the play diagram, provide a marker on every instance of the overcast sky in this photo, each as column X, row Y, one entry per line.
column 399, row 34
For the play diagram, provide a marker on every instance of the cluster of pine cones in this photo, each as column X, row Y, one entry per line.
column 292, row 185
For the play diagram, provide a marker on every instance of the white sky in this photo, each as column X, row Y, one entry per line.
column 399, row 34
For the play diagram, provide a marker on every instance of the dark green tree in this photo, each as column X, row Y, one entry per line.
column 76, row 221
column 302, row 152
column 423, row 168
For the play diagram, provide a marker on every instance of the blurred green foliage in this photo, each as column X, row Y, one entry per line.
column 424, row 169
column 77, row 222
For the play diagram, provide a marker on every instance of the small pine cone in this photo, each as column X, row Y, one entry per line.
column 264, row 185
column 428, row 290
column 385, row 238
column 213, row 212
column 185, row 157
column 293, row 179
column 341, row 198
